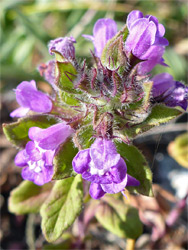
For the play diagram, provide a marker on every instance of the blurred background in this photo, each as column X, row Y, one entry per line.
column 26, row 28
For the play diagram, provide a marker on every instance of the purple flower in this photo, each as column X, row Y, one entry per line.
column 104, row 29
column 145, row 39
column 37, row 157
column 63, row 45
column 153, row 56
column 104, row 168
column 170, row 92
column 48, row 72
column 30, row 98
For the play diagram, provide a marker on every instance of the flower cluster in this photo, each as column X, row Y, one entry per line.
column 110, row 99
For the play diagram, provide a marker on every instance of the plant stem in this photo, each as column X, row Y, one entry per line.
column 30, row 237
column 130, row 244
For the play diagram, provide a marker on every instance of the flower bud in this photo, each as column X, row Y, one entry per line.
column 63, row 45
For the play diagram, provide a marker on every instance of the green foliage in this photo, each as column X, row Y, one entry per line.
column 139, row 111
column 66, row 75
column 63, row 161
column 64, row 245
column 159, row 114
column 137, row 167
column 28, row 197
column 17, row 132
column 113, row 54
column 147, row 86
column 119, row 218
column 62, row 207
column 83, row 137
column 69, row 99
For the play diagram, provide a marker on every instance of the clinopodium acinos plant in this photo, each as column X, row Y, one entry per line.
column 77, row 143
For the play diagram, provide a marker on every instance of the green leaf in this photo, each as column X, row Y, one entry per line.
column 58, row 56
column 147, row 86
column 113, row 54
column 137, row 167
column 67, row 244
column 63, row 161
column 17, row 132
column 62, row 207
column 66, row 75
column 83, row 138
column 159, row 114
column 69, row 99
column 138, row 111
column 119, row 218
column 28, row 197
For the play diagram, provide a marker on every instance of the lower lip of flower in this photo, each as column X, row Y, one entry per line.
column 36, row 165
column 94, row 171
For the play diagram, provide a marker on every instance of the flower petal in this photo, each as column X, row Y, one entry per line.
column 114, row 187
column 48, row 157
column 63, row 45
column 131, row 181
column 51, row 137
column 48, row 72
column 29, row 97
column 153, row 57
column 162, row 83
column 39, row 102
column 119, row 171
column 32, row 151
column 161, row 29
column 89, row 37
column 133, row 16
column 21, row 158
column 161, row 41
column 177, row 97
column 81, row 161
column 104, row 179
column 40, row 177
column 96, row 191
column 104, row 29
column 19, row 112
column 146, row 39
column 104, row 154
column 25, row 87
